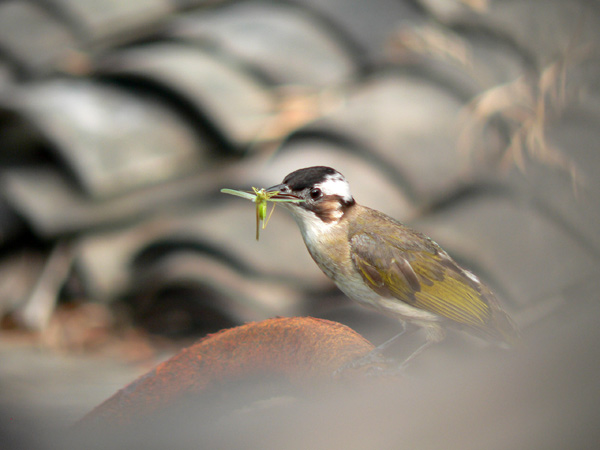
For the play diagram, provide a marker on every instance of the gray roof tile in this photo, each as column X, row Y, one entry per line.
column 468, row 59
column 546, row 29
column 527, row 255
column 265, row 35
column 237, row 105
column 563, row 177
column 112, row 140
column 53, row 206
column 412, row 126
column 211, row 287
column 369, row 25
column 7, row 76
column 107, row 22
column 272, row 274
column 36, row 41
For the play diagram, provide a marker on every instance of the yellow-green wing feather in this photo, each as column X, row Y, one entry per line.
column 420, row 274
column 410, row 267
column 398, row 262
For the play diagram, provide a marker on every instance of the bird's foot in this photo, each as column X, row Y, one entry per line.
column 375, row 363
column 371, row 364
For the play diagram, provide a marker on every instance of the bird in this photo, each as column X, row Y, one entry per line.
column 384, row 265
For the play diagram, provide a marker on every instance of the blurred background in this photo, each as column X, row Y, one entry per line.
column 475, row 121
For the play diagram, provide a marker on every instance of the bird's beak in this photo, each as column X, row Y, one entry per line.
column 282, row 195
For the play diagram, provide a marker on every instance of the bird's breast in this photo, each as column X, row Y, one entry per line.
column 331, row 252
column 329, row 246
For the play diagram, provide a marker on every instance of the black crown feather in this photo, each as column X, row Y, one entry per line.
column 307, row 177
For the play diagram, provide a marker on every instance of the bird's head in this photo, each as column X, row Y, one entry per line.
column 325, row 193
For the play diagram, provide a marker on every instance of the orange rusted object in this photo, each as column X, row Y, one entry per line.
column 302, row 351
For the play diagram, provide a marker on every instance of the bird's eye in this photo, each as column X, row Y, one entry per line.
column 315, row 193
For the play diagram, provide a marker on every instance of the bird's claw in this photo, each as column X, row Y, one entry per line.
column 371, row 364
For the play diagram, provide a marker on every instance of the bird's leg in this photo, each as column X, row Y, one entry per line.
column 435, row 334
column 388, row 366
column 374, row 357
column 416, row 353
column 381, row 347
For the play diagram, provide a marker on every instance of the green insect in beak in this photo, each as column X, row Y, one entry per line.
column 260, row 197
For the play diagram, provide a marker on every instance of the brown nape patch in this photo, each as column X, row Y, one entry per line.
column 331, row 208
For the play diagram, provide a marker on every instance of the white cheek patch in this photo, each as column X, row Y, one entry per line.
column 336, row 185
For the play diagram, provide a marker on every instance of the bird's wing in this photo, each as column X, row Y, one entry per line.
column 410, row 267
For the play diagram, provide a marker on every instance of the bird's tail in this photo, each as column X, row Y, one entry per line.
column 502, row 328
